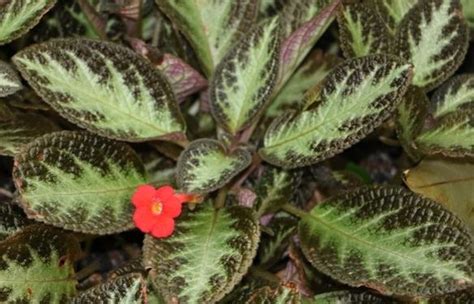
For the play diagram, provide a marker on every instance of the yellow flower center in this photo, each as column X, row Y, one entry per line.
column 157, row 208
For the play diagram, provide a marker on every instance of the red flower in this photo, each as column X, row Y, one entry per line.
column 156, row 209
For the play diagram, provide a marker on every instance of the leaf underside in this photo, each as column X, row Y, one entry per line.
column 208, row 254
column 78, row 181
column 393, row 241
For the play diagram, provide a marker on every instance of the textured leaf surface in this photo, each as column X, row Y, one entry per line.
column 393, row 241
column 211, row 26
column 36, row 266
column 434, row 38
column 19, row 16
column 393, row 11
column 88, row 83
column 447, row 182
column 346, row 297
column 457, row 94
column 355, row 98
column 296, row 13
column 468, row 10
column 272, row 247
column 205, row 166
column 18, row 129
column 9, row 80
column 208, row 254
column 127, row 289
column 362, row 31
column 78, row 181
column 459, row 297
column 245, row 79
column 12, row 218
column 280, row 295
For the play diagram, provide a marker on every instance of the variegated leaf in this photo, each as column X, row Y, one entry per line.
column 211, row 26
column 313, row 70
column 18, row 129
column 355, row 97
column 468, row 10
column 205, row 166
column 362, row 31
column 452, row 135
column 296, row 13
column 184, row 80
column 455, row 95
column 347, row 297
column 272, row 247
column 393, row 241
column 458, row 297
column 19, row 16
column 78, row 181
column 281, row 295
column 12, row 218
column 126, row 289
column 207, row 255
column 244, row 81
column 303, row 35
column 434, row 38
column 412, row 112
column 9, row 80
column 88, row 83
column 393, row 11
column 36, row 266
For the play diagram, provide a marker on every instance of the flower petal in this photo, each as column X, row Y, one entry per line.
column 171, row 207
column 143, row 195
column 144, row 219
column 163, row 228
column 164, row 192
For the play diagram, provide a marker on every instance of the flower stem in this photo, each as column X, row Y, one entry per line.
column 294, row 210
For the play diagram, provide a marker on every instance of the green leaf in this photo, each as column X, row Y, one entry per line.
column 18, row 129
column 456, row 94
column 87, row 82
column 274, row 189
column 434, row 38
column 12, row 218
column 36, row 266
column 244, row 81
column 272, row 247
column 453, row 135
column 296, row 13
column 211, row 26
column 459, row 297
column 393, row 11
column 19, row 16
column 127, row 289
column 468, row 10
column 78, row 181
column 389, row 239
column 205, row 166
column 313, row 70
column 355, row 98
column 9, row 80
column 281, row 295
column 447, row 182
column 207, row 255
column 362, row 31
column 346, row 297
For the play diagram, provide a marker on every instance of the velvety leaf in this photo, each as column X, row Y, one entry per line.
column 244, row 81
column 447, row 182
column 275, row 188
column 183, row 78
column 393, row 11
column 303, row 35
column 392, row 240
column 281, row 295
column 9, row 80
column 455, row 95
column 207, row 255
column 434, row 38
column 12, row 218
column 87, row 82
column 468, row 10
column 19, row 16
column 205, row 166
column 18, row 129
column 459, row 297
column 211, row 26
column 346, row 297
column 412, row 112
column 78, row 181
column 313, row 70
column 355, row 97
column 453, row 135
column 296, row 13
column 127, row 289
column 34, row 258
column 271, row 247
column 362, row 31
